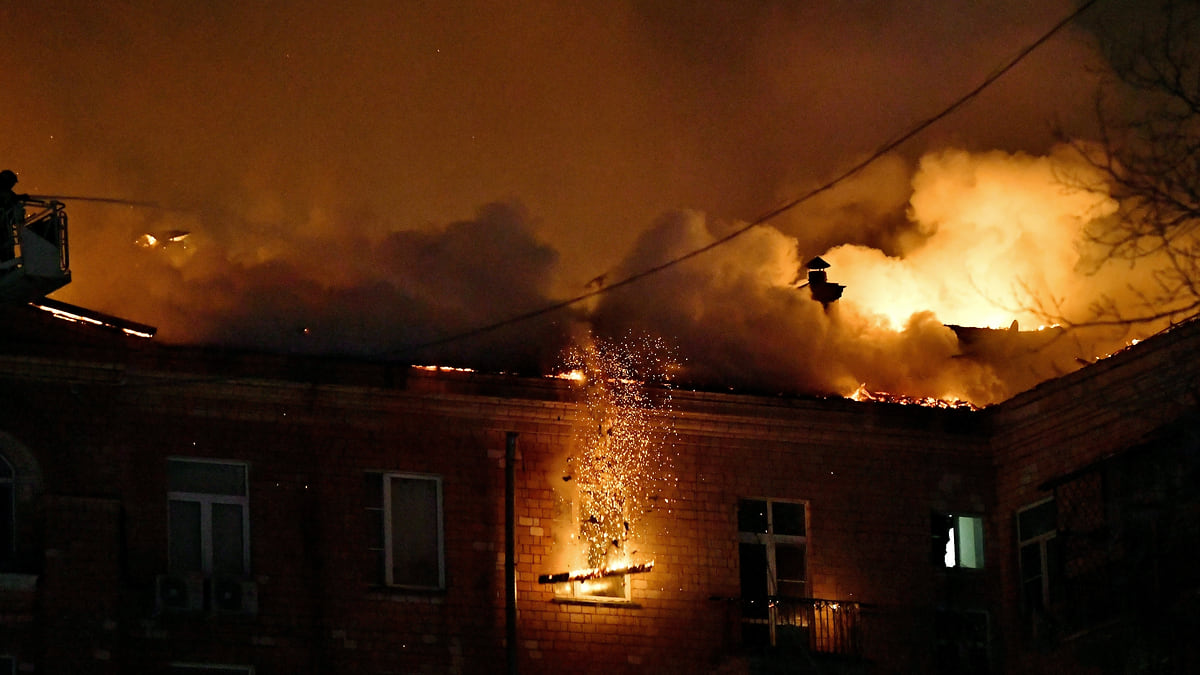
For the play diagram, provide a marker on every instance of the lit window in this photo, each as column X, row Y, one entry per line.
column 405, row 518
column 208, row 518
column 960, row 540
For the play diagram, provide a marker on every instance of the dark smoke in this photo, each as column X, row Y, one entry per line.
column 329, row 161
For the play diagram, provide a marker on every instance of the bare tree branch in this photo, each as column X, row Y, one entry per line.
column 1148, row 154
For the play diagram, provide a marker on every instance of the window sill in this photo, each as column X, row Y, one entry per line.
column 602, row 602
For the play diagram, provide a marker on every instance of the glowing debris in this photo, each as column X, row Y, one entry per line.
column 619, row 466
column 862, row 394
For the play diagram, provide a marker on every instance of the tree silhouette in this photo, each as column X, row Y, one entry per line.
column 1148, row 155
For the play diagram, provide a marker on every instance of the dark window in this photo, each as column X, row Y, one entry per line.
column 772, row 561
column 962, row 642
column 404, row 512
column 1039, row 554
column 208, row 509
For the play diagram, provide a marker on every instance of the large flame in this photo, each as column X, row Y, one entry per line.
column 339, row 192
column 997, row 237
column 988, row 240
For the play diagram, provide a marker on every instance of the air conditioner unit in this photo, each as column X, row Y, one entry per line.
column 234, row 596
column 178, row 593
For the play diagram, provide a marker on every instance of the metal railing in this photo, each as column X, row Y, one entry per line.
column 48, row 219
column 34, row 258
column 819, row 625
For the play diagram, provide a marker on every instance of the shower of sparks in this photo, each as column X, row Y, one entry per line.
column 621, row 464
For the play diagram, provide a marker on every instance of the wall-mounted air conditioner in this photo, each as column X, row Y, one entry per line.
column 178, row 593
column 233, row 596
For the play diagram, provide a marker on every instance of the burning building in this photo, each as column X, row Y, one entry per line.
column 197, row 510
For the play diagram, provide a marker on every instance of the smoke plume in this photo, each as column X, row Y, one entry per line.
column 381, row 179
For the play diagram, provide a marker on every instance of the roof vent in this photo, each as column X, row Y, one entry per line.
column 823, row 290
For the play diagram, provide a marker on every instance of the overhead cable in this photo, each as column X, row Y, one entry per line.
column 778, row 210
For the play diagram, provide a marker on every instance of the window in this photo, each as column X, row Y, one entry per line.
column 603, row 589
column 772, row 541
column 604, row 528
column 20, row 485
column 958, row 541
column 208, row 518
column 962, row 641
column 8, row 514
column 1039, row 554
column 405, row 520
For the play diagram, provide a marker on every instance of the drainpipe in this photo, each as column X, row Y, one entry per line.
column 510, row 550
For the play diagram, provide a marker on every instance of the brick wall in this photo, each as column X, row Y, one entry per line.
column 1071, row 423
column 869, row 473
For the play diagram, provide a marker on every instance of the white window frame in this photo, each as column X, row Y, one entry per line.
column 770, row 539
column 206, row 501
column 385, row 479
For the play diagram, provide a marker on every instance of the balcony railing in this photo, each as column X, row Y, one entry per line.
column 818, row 625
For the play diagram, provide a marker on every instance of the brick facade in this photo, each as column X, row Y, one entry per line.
column 96, row 425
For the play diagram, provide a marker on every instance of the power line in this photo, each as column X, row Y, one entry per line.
column 777, row 211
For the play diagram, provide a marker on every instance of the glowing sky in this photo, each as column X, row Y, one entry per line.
column 383, row 173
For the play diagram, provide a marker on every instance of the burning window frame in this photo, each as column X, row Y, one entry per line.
column 595, row 584
column 610, row 589
column 619, row 467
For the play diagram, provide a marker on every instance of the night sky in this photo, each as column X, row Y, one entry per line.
column 360, row 177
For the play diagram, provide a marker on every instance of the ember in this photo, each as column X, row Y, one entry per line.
column 576, row 375
column 863, row 394
column 75, row 314
column 445, row 369
column 619, row 466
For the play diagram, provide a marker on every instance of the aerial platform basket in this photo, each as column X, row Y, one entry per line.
column 33, row 251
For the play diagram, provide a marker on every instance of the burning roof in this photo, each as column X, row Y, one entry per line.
column 387, row 236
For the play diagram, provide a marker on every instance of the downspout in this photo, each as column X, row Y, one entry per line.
column 510, row 550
